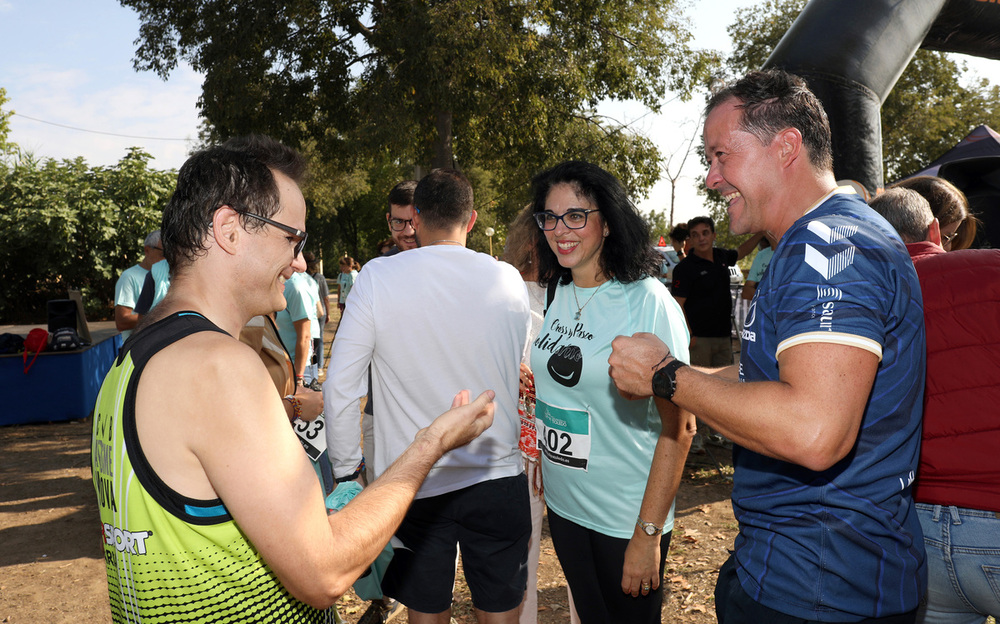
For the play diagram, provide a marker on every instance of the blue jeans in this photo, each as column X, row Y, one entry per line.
column 963, row 564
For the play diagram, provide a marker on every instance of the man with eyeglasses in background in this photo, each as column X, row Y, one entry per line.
column 400, row 217
column 129, row 285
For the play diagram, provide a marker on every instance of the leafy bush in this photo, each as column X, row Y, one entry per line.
column 67, row 225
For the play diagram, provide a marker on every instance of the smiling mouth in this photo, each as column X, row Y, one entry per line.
column 567, row 246
column 732, row 196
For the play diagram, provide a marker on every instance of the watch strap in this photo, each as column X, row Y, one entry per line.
column 648, row 527
column 665, row 380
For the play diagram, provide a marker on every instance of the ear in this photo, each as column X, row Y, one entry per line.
column 789, row 145
column 934, row 232
column 472, row 221
column 416, row 220
column 226, row 229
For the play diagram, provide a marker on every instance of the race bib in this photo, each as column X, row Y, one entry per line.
column 312, row 436
column 563, row 435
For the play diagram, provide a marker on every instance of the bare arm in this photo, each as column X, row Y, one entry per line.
column 810, row 416
column 680, row 301
column 748, row 245
column 242, row 450
column 642, row 556
column 125, row 318
column 303, row 342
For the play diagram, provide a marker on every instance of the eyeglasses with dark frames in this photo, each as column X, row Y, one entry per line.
column 398, row 225
column 300, row 244
column 574, row 219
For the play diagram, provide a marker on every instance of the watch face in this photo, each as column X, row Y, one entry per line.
column 661, row 385
column 649, row 529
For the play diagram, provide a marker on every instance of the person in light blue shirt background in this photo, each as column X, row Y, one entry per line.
column 295, row 324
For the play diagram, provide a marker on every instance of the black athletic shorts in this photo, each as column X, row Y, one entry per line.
column 490, row 523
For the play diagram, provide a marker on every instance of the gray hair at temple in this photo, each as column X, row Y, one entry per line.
column 907, row 211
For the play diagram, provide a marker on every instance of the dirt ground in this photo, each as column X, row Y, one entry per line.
column 52, row 571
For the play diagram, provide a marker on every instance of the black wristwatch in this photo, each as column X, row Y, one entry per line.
column 665, row 380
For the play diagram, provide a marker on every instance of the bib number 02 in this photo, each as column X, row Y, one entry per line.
column 563, row 435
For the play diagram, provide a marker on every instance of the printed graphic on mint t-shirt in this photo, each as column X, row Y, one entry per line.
column 565, row 365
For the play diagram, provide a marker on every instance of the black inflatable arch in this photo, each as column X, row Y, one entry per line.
column 852, row 52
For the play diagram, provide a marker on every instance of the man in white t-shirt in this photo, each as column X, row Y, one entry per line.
column 129, row 284
column 442, row 319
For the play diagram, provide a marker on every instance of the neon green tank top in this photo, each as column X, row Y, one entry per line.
column 171, row 558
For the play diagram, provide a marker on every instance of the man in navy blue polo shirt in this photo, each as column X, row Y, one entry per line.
column 825, row 407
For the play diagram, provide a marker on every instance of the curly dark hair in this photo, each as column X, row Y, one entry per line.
column 237, row 173
column 627, row 255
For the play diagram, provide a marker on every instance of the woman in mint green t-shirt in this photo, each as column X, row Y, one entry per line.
column 611, row 467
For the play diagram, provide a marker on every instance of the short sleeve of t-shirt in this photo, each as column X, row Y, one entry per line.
column 681, row 284
column 826, row 283
column 728, row 257
column 129, row 285
column 300, row 303
column 760, row 262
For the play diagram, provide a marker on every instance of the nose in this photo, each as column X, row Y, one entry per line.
column 299, row 263
column 713, row 178
column 560, row 227
column 408, row 227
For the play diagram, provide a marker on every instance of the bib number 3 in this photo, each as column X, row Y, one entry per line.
column 312, row 436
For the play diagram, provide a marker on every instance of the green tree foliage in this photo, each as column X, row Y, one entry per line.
column 933, row 105
column 67, row 225
column 5, row 148
column 507, row 87
column 659, row 225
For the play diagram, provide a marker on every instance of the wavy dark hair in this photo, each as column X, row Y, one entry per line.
column 237, row 173
column 522, row 233
column 627, row 255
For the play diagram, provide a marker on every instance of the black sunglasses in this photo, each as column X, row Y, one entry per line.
column 299, row 234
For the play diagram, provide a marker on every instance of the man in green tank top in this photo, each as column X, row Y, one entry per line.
column 210, row 511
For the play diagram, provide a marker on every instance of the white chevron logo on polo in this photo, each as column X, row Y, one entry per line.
column 828, row 267
column 831, row 235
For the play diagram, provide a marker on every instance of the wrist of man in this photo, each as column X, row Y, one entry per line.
column 665, row 378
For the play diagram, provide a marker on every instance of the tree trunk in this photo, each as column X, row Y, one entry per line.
column 673, row 193
column 443, row 155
